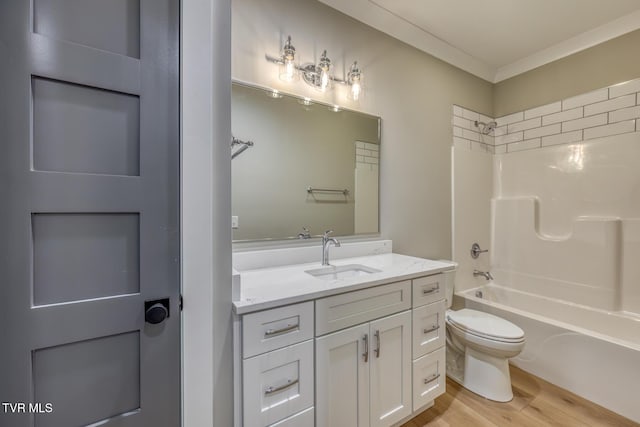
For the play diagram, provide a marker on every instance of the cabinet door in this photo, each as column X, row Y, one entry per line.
column 390, row 369
column 342, row 378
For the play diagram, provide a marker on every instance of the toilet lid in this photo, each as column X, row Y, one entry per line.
column 485, row 324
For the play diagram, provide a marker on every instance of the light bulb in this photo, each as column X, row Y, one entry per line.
column 323, row 69
column 355, row 90
column 324, row 80
column 288, row 66
column 287, row 70
column 354, row 79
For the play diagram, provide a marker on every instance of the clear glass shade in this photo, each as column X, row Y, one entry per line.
column 324, row 80
column 288, row 71
column 355, row 90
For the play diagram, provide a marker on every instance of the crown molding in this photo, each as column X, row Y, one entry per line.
column 393, row 25
column 596, row 36
column 383, row 20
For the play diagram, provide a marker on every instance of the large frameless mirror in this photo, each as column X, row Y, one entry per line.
column 301, row 167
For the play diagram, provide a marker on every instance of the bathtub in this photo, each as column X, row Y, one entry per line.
column 593, row 353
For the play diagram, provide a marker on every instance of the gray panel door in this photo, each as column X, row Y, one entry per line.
column 89, row 203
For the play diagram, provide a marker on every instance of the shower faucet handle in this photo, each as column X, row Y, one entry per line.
column 476, row 251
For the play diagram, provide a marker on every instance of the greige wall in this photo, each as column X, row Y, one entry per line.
column 294, row 147
column 413, row 93
column 612, row 62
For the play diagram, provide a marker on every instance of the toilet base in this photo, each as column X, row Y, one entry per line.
column 487, row 376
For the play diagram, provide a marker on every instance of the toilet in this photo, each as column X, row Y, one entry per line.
column 479, row 345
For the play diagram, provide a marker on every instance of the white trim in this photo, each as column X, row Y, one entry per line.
column 207, row 380
column 393, row 25
column 383, row 20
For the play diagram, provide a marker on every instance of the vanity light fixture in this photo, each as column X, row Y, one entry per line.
column 320, row 75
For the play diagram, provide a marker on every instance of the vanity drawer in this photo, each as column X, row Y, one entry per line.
column 429, row 378
column 305, row 418
column 428, row 289
column 276, row 328
column 352, row 308
column 278, row 384
column 429, row 328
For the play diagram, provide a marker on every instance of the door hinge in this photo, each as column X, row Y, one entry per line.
column 181, row 305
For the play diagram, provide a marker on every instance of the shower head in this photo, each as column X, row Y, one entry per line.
column 487, row 128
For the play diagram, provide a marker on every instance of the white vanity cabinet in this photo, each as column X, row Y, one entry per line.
column 363, row 373
column 371, row 357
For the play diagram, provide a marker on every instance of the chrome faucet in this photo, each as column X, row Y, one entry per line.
column 326, row 242
column 487, row 275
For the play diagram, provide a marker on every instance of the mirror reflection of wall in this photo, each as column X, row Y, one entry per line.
column 297, row 146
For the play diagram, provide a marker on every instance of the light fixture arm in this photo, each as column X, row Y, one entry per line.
column 305, row 69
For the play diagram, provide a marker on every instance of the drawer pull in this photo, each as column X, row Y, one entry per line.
column 430, row 290
column 432, row 329
column 271, row 390
column 275, row 332
column 431, row 379
column 365, row 355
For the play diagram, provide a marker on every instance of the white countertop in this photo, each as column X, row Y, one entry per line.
column 270, row 287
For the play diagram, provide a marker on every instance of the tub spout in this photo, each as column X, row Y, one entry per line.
column 486, row 274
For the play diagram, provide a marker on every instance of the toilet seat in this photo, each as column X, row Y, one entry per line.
column 485, row 325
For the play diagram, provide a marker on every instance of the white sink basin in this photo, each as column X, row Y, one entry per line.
column 334, row 272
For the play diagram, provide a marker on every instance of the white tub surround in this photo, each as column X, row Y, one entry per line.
column 298, row 337
column 565, row 233
column 591, row 352
column 582, row 267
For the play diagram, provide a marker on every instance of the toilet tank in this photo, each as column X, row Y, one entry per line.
column 449, row 279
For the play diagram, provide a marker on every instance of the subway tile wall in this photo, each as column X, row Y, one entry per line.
column 367, row 155
column 604, row 112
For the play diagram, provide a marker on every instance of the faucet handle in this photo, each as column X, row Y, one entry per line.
column 476, row 251
column 326, row 233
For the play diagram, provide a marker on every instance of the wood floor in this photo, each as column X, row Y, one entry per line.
column 535, row 403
